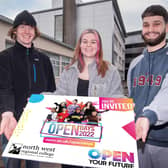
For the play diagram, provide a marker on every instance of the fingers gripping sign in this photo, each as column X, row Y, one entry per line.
column 142, row 128
column 8, row 124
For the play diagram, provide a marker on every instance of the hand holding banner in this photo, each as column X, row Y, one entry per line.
column 102, row 136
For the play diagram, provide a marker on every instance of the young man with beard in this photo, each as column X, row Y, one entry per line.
column 23, row 71
column 148, row 86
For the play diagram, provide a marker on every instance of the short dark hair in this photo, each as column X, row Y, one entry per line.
column 156, row 10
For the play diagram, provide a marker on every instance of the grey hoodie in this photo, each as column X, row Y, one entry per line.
column 148, row 86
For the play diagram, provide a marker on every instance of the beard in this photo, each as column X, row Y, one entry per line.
column 156, row 41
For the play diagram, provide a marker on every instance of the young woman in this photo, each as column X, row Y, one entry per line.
column 88, row 74
column 87, row 109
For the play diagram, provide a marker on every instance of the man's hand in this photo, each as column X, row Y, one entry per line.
column 8, row 124
column 142, row 128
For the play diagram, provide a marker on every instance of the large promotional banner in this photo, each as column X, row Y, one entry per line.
column 87, row 131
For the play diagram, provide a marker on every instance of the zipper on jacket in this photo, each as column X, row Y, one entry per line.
column 95, row 91
column 34, row 72
column 149, row 76
column 28, row 68
column 27, row 52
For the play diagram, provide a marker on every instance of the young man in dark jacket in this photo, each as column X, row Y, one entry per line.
column 148, row 86
column 23, row 71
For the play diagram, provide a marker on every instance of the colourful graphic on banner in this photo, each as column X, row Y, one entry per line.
column 130, row 129
column 69, row 141
column 116, row 104
column 111, row 158
column 80, row 131
column 97, row 132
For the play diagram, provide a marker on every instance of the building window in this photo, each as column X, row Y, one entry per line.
column 65, row 61
column 114, row 58
column 58, row 62
column 55, row 61
column 58, row 33
column 9, row 44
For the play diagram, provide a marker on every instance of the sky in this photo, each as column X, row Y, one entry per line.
column 130, row 9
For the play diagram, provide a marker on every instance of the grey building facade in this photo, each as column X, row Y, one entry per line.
column 59, row 53
column 102, row 15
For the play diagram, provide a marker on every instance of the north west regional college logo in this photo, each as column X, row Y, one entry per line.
column 15, row 148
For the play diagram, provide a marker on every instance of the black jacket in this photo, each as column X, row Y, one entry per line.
column 23, row 71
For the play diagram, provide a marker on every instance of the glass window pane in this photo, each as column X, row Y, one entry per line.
column 65, row 61
column 59, row 27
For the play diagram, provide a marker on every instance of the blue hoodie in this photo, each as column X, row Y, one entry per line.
column 148, row 86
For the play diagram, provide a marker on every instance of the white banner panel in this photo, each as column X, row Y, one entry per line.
column 53, row 129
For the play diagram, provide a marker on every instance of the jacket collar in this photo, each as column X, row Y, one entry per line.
column 157, row 52
column 91, row 65
column 22, row 48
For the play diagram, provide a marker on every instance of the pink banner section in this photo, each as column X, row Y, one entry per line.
column 69, row 141
column 130, row 129
column 116, row 104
